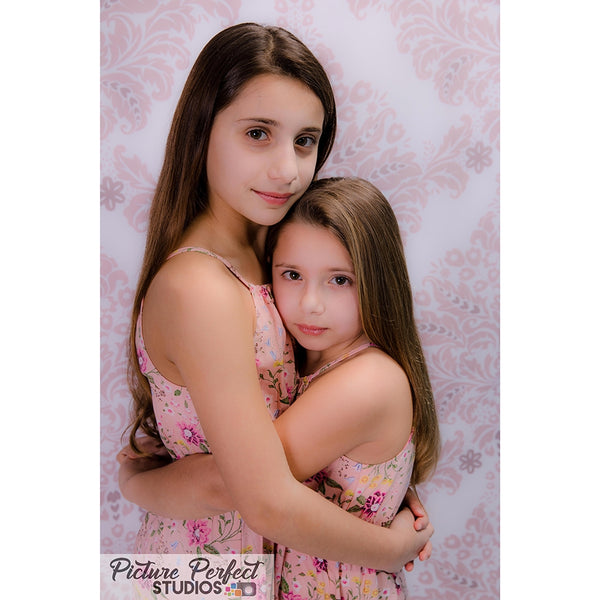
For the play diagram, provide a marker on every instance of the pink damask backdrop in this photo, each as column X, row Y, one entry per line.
column 417, row 86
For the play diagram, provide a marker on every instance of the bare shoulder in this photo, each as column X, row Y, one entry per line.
column 194, row 285
column 194, row 302
column 370, row 384
column 384, row 390
column 375, row 373
column 192, row 273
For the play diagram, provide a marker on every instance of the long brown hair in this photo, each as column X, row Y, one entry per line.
column 358, row 214
column 227, row 62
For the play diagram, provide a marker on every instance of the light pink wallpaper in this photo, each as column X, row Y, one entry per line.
column 417, row 86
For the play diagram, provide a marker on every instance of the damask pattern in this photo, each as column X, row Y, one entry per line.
column 417, row 87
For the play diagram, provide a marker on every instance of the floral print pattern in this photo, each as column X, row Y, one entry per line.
column 372, row 504
column 191, row 435
column 111, row 193
column 182, row 433
column 480, row 157
column 198, row 532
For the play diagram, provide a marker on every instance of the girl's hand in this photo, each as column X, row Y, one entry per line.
column 131, row 463
column 146, row 444
column 424, row 554
column 416, row 543
column 412, row 502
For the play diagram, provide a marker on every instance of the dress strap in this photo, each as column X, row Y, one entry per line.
column 308, row 378
column 213, row 255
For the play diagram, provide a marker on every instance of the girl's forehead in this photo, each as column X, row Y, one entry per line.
column 298, row 228
column 307, row 242
column 268, row 88
column 277, row 102
column 272, row 78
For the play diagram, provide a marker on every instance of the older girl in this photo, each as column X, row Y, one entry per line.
column 255, row 122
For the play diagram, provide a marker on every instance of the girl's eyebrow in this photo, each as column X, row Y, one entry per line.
column 274, row 123
column 330, row 269
column 259, row 120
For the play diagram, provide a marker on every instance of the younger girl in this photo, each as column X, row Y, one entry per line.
column 366, row 419
column 255, row 122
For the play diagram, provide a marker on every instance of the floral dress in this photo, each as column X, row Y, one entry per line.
column 371, row 492
column 182, row 433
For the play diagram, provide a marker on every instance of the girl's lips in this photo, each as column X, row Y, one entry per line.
column 311, row 330
column 273, row 198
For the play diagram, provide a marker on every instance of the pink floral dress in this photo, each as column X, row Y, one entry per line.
column 371, row 492
column 182, row 432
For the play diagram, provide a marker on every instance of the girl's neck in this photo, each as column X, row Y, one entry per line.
column 240, row 242
column 316, row 359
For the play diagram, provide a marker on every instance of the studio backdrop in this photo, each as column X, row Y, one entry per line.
column 417, row 89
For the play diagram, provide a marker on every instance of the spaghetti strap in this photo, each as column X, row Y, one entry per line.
column 213, row 255
column 306, row 380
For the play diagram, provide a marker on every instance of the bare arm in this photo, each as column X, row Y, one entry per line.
column 193, row 488
column 338, row 413
column 189, row 488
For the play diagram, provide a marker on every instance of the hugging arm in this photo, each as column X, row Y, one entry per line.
column 189, row 488
column 192, row 488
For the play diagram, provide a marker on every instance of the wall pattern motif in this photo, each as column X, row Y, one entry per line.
column 417, row 87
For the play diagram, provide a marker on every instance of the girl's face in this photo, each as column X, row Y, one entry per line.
column 314, row 285
column 263, row 147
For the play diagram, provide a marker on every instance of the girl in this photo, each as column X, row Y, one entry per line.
column 255, row 122
column 341, row 285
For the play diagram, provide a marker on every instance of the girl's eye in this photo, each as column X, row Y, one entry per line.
column 291, row 275
column 341, row 280
column 257, row 134
column 306, row 141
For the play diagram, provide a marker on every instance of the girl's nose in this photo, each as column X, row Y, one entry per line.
column 312, row 301
column 284, row 164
